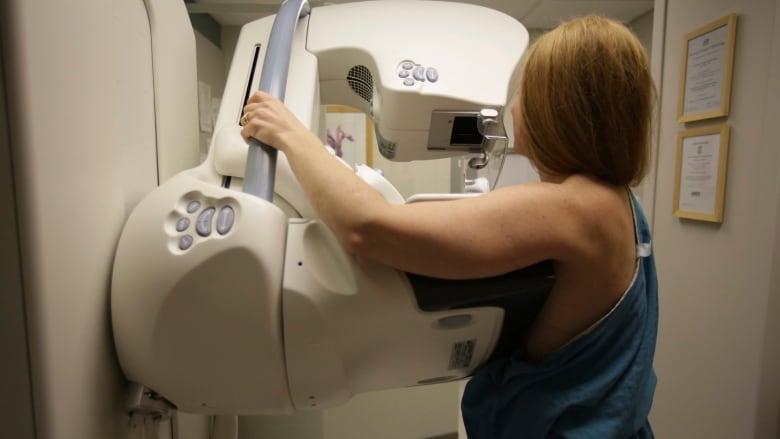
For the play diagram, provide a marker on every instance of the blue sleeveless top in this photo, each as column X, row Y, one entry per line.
column 600, row 385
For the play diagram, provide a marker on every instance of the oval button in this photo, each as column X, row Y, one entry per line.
column 419, row 73
column 182, row 224
column 193, row 206
column 432, row 74
column 203, row 223
column 185, row 242
column 225, row 219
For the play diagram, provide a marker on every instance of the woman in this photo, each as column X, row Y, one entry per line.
column 582, row 115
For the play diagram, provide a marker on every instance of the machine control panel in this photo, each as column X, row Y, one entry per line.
column 412, row 73
column 207, row 215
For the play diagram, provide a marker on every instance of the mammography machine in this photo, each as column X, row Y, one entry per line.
column 230, row 296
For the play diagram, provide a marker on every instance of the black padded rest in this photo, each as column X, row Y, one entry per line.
column 520, row 293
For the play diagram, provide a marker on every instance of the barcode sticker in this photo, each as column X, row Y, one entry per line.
column 462, row 353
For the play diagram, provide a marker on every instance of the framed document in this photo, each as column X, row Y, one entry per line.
column 707, row 64
column 700, row 181
column 350, row 133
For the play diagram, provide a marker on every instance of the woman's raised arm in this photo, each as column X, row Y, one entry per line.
column 495, row 233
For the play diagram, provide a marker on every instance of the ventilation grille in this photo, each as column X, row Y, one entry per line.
column 360, row 81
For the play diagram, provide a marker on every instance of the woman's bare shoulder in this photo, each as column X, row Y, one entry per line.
column 594, row 216
column 578, row 214
column 604, row 220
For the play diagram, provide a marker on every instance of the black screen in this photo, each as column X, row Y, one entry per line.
column 464, row 131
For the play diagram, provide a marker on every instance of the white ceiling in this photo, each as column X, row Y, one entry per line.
column 534, row 14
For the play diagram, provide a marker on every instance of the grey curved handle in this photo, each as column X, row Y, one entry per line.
column 260, row 173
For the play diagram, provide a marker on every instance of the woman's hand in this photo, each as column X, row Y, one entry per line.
column 268, row 120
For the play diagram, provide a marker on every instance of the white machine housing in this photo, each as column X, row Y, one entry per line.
column 226, row 303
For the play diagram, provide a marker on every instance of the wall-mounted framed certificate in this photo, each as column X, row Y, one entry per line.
column 700, row 180
column 707, row 66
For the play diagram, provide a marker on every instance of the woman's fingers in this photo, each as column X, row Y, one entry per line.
column 249, row 124
column 268, row 120
column 264, row 118
column 259, row 97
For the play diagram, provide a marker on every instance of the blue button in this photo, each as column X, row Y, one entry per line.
column 408, row 81
column 432, row 74
column 203, row 225
column 419, row 73
column 193, row 206
column 182, row 224
column 408, row 66
column 185, row 242
column 225, row 219
column 403, row 74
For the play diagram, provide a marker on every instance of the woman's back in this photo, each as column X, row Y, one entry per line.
column 596, row 271
column 598, row 384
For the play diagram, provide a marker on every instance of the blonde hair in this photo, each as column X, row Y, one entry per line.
column 586, row 100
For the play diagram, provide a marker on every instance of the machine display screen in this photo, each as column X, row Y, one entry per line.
column 464, row 131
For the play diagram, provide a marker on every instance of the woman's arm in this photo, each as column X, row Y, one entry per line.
column 495, row 233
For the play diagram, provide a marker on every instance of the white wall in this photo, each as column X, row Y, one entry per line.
column 212, row 72
column 229, row 41
column 642, row 27
column 517, row 169
column 718, row 349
